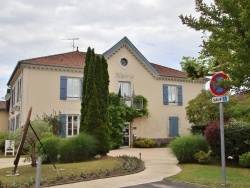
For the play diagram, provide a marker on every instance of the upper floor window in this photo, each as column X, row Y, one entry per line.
column 172, row 94
column 70, row 88
column 73, row 88
column 124, row 89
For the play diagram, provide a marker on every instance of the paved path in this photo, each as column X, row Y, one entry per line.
column 159, row 162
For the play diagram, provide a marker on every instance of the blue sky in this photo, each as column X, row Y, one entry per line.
column 34, row 28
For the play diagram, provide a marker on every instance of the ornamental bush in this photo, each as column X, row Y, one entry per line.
column 76, row 149
column 51, row 146
column 202, row 157
column 144, row 143
column 185, row 147
column 3, row 137
column 237, row 136
column 244, row 160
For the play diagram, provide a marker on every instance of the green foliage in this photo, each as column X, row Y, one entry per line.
column 95, row 100
column 144, row 143
column 186, row 146
column 194, row 67
column 198, row 129
column 225, row 26
column 50, row 144
column 237, row 135
column 54, row 121
column 119, row 113
column 3, row 137
column 202, row 157
column 40, row 128
column 244, row 160
column 79, row 148
column 201, row 111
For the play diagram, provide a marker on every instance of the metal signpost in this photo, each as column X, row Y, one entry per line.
column 219, row 92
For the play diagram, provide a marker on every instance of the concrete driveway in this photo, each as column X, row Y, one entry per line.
column 159, row 162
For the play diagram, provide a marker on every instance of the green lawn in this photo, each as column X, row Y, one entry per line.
column 28, row 173
column 211, row 175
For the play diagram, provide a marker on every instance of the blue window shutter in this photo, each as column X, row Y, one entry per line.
column 165, row 94
column 180, row 98
column 81, row 82
column 63, row 87
column 173, row 126
column 63, row 128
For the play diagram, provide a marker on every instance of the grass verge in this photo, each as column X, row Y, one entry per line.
column 210, row 175
column 74, row 172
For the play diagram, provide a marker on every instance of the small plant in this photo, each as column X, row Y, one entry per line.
column 186, row 146
column 202, row 157
column 107, row 172
column 82, row 175
column 59, row 178
column 144, row 143
column 72, row 176
column 244, row 160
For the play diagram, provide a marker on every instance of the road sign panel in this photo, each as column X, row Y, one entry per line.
column 220, row 99
column 215, row 89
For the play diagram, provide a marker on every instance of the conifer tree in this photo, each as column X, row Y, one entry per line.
column 94, row 100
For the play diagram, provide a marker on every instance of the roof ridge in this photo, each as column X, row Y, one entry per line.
column 52, row 55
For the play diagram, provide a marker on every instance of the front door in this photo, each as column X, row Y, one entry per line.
column 126, row 134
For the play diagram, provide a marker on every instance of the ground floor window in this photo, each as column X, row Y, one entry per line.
column 73, row 124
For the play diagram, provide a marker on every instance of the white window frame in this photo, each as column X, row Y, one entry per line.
column 73, row 93
column 71, row 125
column 172, row 94
column 125, row 88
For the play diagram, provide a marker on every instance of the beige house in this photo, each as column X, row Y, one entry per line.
column 53, row 83
column 4, row 116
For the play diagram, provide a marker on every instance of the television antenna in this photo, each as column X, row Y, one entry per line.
column 73, row 41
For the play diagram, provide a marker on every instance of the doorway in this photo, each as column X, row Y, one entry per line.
column 126, row 134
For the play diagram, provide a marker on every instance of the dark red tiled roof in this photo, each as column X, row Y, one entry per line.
column 70, row 59
column 2, row 105
column 165, row 71
column 77, row 59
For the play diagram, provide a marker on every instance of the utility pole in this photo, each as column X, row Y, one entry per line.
column 73, row 41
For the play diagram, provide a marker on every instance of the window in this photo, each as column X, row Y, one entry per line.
column 13, row 101
column 18, row 96
column 172, row 94
column 70, row 88
column 73, row 88
column 73, row 123
column 124, row 89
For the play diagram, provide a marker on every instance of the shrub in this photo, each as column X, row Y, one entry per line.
column 185, row 147
column 144, row 143
column 236, row 136
column 198, row 129
column 212, row 135
column 202, row 157
column 244, row 160
column 3, row 137
column 51, row 146
column 77, row 149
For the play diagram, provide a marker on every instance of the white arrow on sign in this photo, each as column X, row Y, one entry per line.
column 220, row 99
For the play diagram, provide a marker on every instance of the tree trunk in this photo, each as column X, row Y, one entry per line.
column 33, row 155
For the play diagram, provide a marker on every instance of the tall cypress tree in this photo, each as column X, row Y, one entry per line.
column 95, row 100
column 85, row 76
